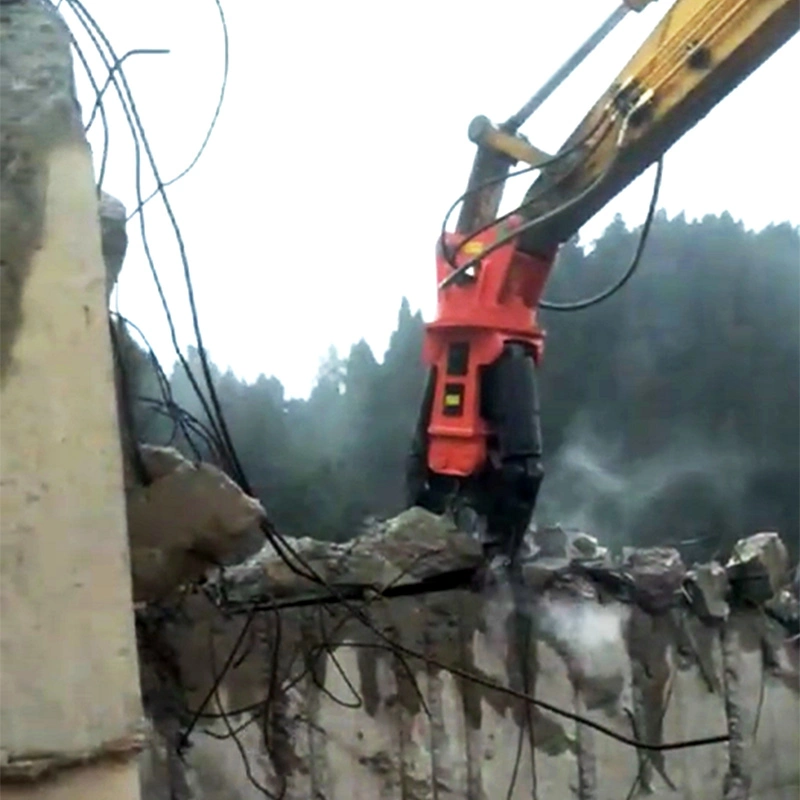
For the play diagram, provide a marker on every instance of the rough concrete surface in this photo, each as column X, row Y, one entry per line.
column 39, row 115
column 69, row 679
column 188, row 517
column 347, row 719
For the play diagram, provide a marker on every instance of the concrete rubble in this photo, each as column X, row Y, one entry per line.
column 707, row 587
column 758, row 567
column 657, row 574
column 636, row 642
column 406, row 550
column 113, row 237
column 417, row 545
column 188, row 518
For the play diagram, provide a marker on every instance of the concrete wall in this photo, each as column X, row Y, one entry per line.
column 613, row 662
column 69, row 694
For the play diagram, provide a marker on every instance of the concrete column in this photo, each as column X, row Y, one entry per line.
column 70, row 712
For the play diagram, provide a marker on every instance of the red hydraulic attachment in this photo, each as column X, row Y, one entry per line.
column 491, row 305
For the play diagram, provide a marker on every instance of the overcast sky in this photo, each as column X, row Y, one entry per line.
column 342, row 142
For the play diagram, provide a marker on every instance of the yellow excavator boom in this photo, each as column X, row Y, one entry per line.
column 697, row 54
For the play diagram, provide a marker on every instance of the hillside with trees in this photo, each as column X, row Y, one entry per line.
column 670, row 412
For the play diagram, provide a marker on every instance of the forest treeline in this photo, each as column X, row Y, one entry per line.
column 670, row 411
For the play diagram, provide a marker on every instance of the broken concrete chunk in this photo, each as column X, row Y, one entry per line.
column 707, row 586
column 540, row 573
column 551, row 542
column 587, row 550
column 784, row 608
column 409, row 548
column 585, row 546
column 758, row 567
column 159, row 462
column 114, row 238
column 188, row 519
column 657, row 574
column 561, row 543
column 266, row 575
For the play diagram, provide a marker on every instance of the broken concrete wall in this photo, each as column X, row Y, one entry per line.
column 333, row 713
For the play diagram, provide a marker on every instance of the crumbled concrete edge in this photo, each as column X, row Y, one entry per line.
column 416, row 546
column 412, row 547
column 189, row 517
column 454, row 619
column 34, row 767
column 114, row 237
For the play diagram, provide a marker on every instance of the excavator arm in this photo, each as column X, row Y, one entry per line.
column 697, row 54
column 478, row 443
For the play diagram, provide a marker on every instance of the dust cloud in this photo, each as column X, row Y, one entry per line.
column 688, row 494
column 591, row 634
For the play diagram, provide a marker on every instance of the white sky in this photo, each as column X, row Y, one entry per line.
column 342, row 142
